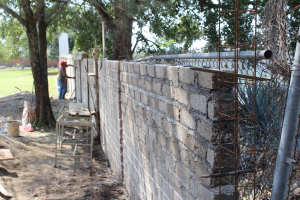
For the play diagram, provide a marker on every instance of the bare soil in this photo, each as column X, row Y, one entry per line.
column 32, row 175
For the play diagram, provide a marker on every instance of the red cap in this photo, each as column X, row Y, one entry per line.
column 63, row 63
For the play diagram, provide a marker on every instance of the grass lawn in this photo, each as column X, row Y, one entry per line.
column 23, row 79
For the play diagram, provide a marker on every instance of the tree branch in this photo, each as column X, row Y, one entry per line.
column 39, row 6
column 53, row 11
column 106, row 16
column 56, row 14
column 12, row 13
column 137, row 41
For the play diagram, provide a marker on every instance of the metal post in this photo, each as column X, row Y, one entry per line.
column 103, row 40
column 289, row 131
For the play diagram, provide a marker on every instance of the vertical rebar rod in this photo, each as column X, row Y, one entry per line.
column 289, row 131
column 219, row 98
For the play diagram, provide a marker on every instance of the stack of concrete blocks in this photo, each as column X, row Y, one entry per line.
column 170, row 132
column 109, row 105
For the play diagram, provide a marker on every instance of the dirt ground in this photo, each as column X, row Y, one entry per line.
column 31, row 175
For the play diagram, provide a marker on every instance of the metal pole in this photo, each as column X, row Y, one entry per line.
column 103, row 40
column 263, row 54
column 289, row 131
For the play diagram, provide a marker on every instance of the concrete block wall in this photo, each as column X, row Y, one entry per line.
column 109, row 114
column 166, row 133
column 170, row 132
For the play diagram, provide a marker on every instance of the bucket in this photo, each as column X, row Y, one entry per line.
column 13, row 128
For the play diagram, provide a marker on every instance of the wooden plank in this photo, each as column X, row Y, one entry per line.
column 78, row 109
column 216, row 71
column 4, row 191
column 5, row 154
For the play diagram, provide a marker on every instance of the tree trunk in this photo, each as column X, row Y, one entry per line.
column 44, row 109
column 38, row 58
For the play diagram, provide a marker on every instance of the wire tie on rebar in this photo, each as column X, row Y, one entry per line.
column 283, row 157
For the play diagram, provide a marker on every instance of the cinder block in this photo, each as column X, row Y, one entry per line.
column 186, row 76
column 144, row 98
column 136, row 68
column 187, row 118
column 181, row 95
column 172, row 75
column 152, row 102
column 143, row 69
column 137, row 95
column 140, row 83
column 199, row 102
column 148, row 85
column 173, row 147
column 227, row 161
column 213, row 110
column 197, row 146
column 134, row 81
column 174, row 181
column 161, row 138
column 167, row 127
column 208, row 80
column 156, row 87
column 157, row 121
column 151, row 70
column 130, row 68
column 182, row 135
column 162, row 106
column 167, row 91
column 160, row 71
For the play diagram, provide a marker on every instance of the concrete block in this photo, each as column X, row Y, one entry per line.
column 187, row 118
column 157, row 121
column 131, row 67
column 160, row 71
column 199, row 102
column 140, row 83
column 143, row 69
column 173, row 147
column 137, row 95
column 213, row 110
column 227, row 161
column 161, row 138
column 144, row 98
column 185, row 193
column 151, row 70
column 167, row 127
column 152, row 102
column 181, row 95
column 197, row 146
column 172, row 75
column 162, row 106
column 156, row 87
column 186, row 76
column 136, row 68
column 182, row 134
column 174, row 181
column 208, row 80
column 134, row 81
column 148, row 85
column 167, row 91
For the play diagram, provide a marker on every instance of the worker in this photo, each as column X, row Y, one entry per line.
column 63, row 79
